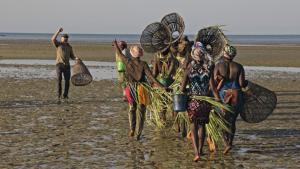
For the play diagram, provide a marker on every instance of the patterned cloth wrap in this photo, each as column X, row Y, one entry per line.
column 231, row 93
column 137, row 93
column 199, row 86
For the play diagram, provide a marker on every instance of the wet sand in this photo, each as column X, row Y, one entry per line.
column 251, row 55
column 90, row 131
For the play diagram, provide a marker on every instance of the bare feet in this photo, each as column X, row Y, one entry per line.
column 197, row 158
column 211, row 145
column 227, row 149
column 131, row 133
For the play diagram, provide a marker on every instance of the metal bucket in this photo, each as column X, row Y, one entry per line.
column 180, row 102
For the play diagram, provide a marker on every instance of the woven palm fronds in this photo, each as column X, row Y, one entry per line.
column 175, row 24
column 213, row 39
column 259, row 103
column 81, row 76
column 155, row 37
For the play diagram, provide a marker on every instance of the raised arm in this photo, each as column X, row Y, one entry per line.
column 53, row 39
column 119, row 52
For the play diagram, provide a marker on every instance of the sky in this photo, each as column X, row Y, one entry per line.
column 246, row 17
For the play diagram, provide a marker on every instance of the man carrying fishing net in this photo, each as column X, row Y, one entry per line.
column 230, row 78
column 64, row 52
column 137, row 74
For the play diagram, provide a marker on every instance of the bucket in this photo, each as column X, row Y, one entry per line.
column 180, row 102
column 81, row 76
column 121, row 66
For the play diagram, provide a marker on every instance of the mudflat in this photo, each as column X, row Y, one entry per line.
column 251, row 55
column 90, row 130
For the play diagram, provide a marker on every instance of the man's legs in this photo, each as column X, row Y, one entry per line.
column 67, row 76
column 231, row 119
column 59, row 71
column 140, row 118
column 132, row 118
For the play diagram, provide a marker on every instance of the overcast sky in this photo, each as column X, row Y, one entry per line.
column 132, row 16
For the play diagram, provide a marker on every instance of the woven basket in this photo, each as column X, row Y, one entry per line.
column 213, row 39
column 155, row 37
column 259, row 103
column 175, row 24
column 81, row 76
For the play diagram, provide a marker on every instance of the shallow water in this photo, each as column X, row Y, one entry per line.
column 27, row 69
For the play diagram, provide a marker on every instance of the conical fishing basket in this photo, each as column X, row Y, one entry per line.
column 155, row 37
column 81, row 76
column 259, row 103
column 213, row 39
column 175, row 24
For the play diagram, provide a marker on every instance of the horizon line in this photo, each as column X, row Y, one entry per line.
column 259, row 34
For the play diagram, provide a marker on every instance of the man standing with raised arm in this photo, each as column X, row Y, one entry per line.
column 64, row 52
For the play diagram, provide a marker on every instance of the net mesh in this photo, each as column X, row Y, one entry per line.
column 175, row 24
column 213, row 39
column 259, row 103
column 81, row 76
column 155, row 37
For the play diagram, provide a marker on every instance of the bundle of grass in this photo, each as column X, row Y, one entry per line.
column 160, row 99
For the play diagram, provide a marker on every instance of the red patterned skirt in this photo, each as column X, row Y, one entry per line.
column 198, row 110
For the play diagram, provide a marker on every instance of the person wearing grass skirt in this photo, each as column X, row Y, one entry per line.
column 199, row 77
column 137, row 73
column 182, row 50
column 164, row 70
column 230, row 77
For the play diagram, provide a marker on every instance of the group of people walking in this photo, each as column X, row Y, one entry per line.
column 202, row 76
